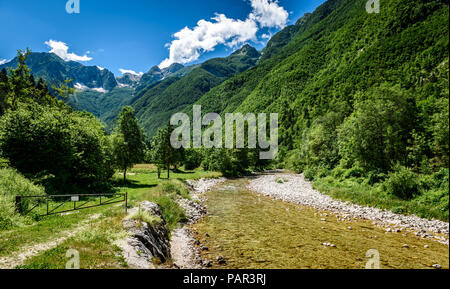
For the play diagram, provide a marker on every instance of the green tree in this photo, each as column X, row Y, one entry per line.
column 128, row 141
column 4, row 91
column 164, row 155
column 376, row 135
column 63, row 150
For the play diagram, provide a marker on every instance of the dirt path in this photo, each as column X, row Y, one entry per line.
column 26, row 252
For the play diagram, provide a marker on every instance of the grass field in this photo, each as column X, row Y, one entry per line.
column 93, row 231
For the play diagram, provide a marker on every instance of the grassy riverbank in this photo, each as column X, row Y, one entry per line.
column 93, row 231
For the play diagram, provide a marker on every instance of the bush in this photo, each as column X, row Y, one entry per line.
column 354, row 172
column 12, row 184
column 67, row 150
column 175, row 187
column 402, row 183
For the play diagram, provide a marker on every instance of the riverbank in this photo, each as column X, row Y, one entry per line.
column 185, row 253
column 295, row 189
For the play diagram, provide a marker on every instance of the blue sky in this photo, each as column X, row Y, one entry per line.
column 137, row 34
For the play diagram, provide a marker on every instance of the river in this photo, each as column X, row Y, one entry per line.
column 252, row 231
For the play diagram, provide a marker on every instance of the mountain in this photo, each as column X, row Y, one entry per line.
column 155, row 104
column 128, row 80
column 155, row 74
column 55, row 71
column 336, row 55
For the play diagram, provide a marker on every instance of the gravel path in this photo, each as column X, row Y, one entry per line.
column 295, row 189
column 27, row 252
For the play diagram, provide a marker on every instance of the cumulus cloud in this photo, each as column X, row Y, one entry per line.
column 62, row 50
column 3, row 61
column 269, row 13
column 126, row 71
column 189, row 44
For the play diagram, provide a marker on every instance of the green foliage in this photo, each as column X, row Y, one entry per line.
column 144, row 216
column 128, row 141
column 65, row 151
column 402, row 183
column 18, row 86
column 175, row 187
column 192, row 159
column 162, row 152
column 375, row 135
column 13, row 184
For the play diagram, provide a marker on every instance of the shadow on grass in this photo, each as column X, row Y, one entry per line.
column 131, row 184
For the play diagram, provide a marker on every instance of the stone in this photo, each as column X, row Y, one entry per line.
column 221, row 260
column 437, row 266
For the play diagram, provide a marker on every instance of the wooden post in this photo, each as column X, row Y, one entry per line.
column 126, row 202
column 19, row 204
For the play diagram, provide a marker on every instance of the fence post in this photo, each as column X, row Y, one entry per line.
column 19, row 204
column 126, row 202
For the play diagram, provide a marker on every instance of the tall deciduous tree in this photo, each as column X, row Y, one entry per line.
column 128, row 141
column 162, row 151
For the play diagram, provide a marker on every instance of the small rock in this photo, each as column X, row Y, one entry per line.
column 204, row 248
column 197, row 243
column 323, row 220
column 406, row 246
column 426, row 246
column 437, row 266
column 207, row 264
column 221, row 260
column 350, row 228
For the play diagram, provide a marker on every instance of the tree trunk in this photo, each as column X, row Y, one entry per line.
column 125, row 176
column 159, row 172
column 168, row 171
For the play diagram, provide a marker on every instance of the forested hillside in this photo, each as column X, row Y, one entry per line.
column 362, row 96
column 156, row 104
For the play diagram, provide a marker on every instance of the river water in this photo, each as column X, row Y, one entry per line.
column 251, row 231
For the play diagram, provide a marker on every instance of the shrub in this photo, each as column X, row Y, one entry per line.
column 175, row 187
column 12, row 184
column 67, row 150
column 354, row 172
column 402, row 183
column 144, row 216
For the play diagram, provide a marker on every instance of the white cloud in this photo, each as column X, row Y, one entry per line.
column 269, row 13
column 125, row 71
column 189, row 44
column 3, row 61
column 62, row 50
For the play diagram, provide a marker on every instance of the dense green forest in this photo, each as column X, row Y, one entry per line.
column 363, row 101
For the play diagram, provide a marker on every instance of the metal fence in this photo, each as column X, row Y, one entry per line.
column 55, row 204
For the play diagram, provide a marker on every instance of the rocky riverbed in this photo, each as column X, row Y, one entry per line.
column 185, row 254
column 295, row 189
